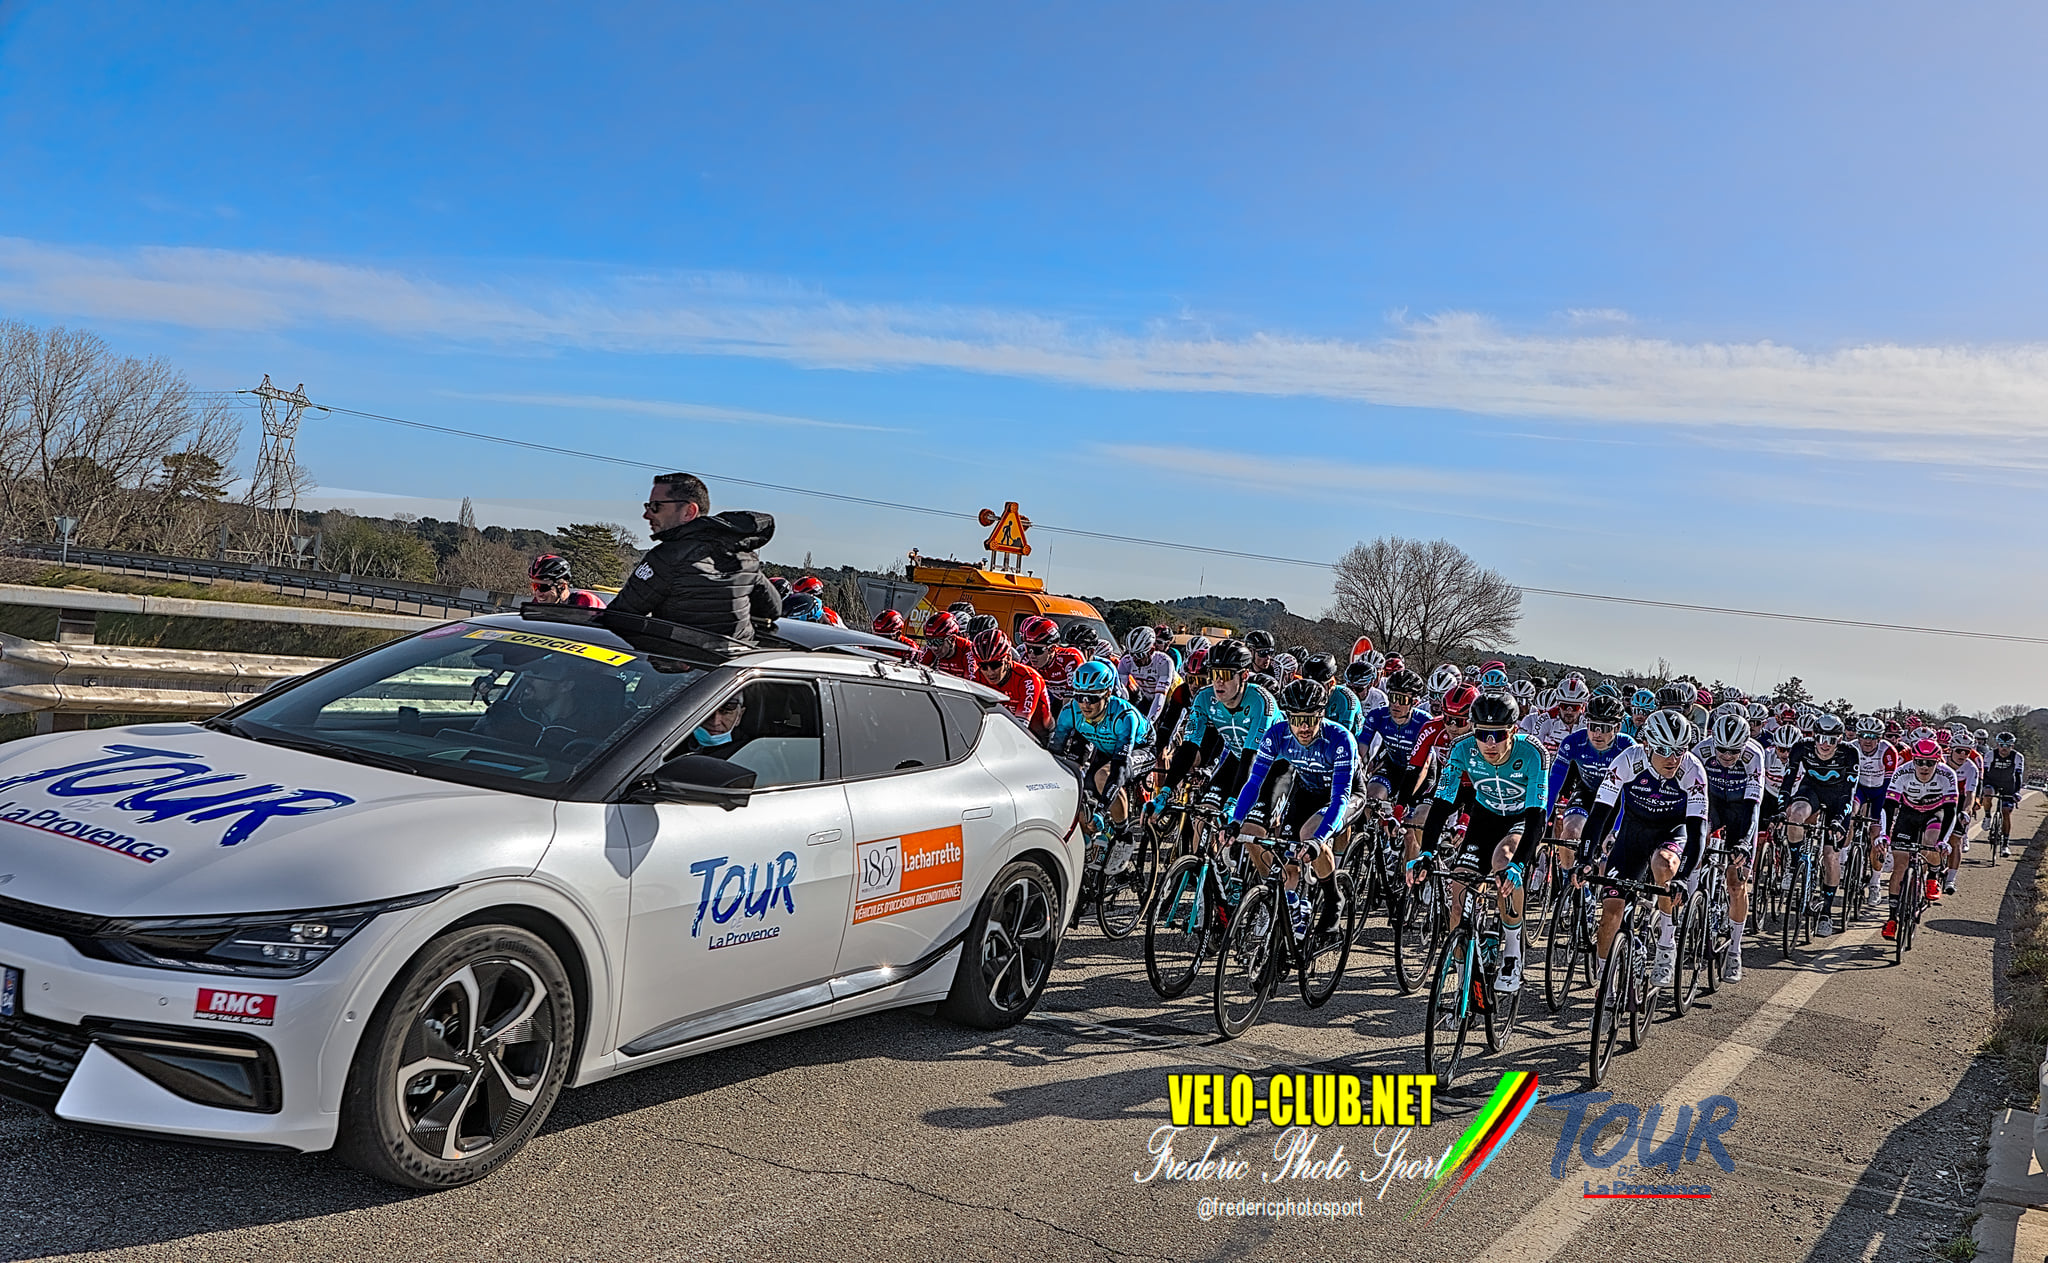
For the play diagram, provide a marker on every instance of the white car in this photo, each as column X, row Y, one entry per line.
column 395, row 906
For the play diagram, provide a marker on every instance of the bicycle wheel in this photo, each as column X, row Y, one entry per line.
column 1557, row 951
column 1324, row 952
column 1125, row 895
column 1499, row 1008
column 1366, row 891
column 1415, row 938
column 1608, row 1014
column 1694, row 951
column 1182, row 927
column 1641, row 997
column 1447, row 1023
column 1248, row 967
column 1915, row 901
column 1797, row 899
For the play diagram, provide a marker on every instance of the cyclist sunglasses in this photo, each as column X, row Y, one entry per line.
column 1456, row 721
column 1492, row 736
column 1302, row 719
column 1603, row 727
column 1925, row 762
column 1224, row 675
column 1401, row 699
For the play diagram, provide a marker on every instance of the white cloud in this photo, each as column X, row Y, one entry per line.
column 1454, row 361
column 667, row 408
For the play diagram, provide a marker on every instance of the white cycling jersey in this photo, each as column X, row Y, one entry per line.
column 1151, row 680
column 1875, row 767
column 1940, row 787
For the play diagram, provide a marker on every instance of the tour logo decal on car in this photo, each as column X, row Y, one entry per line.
column 916, row 870
column 249, row 1008
column 754, row 890
column 159, row 785
column 596, row 653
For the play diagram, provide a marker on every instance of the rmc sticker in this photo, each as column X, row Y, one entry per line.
column 250, row 1008
column 916, row 870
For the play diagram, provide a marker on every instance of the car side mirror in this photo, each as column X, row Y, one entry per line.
column 695, row 778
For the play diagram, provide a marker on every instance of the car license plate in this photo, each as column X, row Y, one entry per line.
column 10, row 990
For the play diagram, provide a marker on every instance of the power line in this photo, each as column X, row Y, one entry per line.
column 1109, row 537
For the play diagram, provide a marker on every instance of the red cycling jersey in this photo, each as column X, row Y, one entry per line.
column 960, row 662
column 1026, row 690
column 1059, row 669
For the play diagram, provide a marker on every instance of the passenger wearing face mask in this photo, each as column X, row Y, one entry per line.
column 714, row 737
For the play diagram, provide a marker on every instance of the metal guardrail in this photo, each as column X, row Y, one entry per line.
column 307, row 581
column 185, row 607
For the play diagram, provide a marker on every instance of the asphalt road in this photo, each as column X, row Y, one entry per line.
column 1861, row 1109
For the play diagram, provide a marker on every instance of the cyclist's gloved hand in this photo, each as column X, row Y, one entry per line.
column 1231, row 828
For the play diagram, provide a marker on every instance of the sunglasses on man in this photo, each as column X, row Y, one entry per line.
column 651, row 505
column 1401, row 699
column 1603, row 727
column 1492, row 736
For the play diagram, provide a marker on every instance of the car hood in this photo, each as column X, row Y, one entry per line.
column 178, row 820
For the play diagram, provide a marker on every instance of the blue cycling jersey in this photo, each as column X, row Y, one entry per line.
column 1399, row 739
column 1119, row 730
column 1325, row 763
column 1577, row 751
column 1505, row 789
column 1240, row 728
column 1344, row 709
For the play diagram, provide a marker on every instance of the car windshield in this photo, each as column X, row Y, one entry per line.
column 510, row 709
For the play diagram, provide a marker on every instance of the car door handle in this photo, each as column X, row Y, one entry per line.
column 977, row 813
column 823, row 836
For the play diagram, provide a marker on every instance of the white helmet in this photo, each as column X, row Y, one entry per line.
column 1572, row 691
column 1730, row 731
column 1922, row 733
column 1525, row 692
column 1445, row 678
column 1666, row 732
column 1374, row 659
column 1285, row 667
column 1139, row 642
column 1546, row 699
column 1759, row 713
column 1785, row 737
column 1870, row 726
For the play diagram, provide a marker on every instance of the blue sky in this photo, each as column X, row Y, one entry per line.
column 1737, row 306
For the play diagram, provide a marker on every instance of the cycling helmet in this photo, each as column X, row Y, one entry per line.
column 1260, row 640
column 1703, row 697
column 941, row 624
column 1495, row 710
column 1493, row 678
column 1673, row 696
column 961, row 609
column 1139, row 642
column 1983, row 734
column 1785, row 737
column 1942, row 738
column 1730, row 731
column 1231, row 655
column 1082, row 636
column 1732, row 694
column 1039, row 632
column 1527, row 696
column 1302, row 697
column 1926, row 750
column 1609, row 688
column 1870, row 726
column 808, row 583
column 1827, row 727
column 1922, row 733
column 780, row 584
column 1643, row 699
column 803, row 607
column 1361, row 674
column 1668, row 733
column 1393, row 664
column 548, row 568
column 1374, row 660
column 1572, row 690
column 1473, row 673
column 1404, row 681
column 991, row 645
column 1758, row 712
column 1892, row 729
column 2005, row 738
column 888, row 623
column 1320, row 667
column 1198, row 661
column 1540, row 681
column 980, row 623
column 1095, row 678
column 1605, row 708
column 1444, row 679
column 1298, row 652
column 1286, row 666
column 1459, row 699
column 1198, row 644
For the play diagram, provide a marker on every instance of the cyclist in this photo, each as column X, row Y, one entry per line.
column 812, row 585
column 1876, row 760
column 1819, row 782
column 1024, row 688
column 1734, row 764
column 945, row 648
column 1146, row 672
column 1343, row 704
column 803, row 607
column 1391, row 733
column 1967, row 778
column 1641, row 704
column 1106, row 736
column 1054, row 661
column 1496, row 775
column 889, row 625
column 1194, row 675
column 549, row 578
column 1364, row 681
column 1322, row 757
column 2003, row 776
column 1985, row 794
column 1923, row 796
column 1659, row 790
column 1093, row 648
column 1577, row 772
column 1261, row 642
column 1227, row 717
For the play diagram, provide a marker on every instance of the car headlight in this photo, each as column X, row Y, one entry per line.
column 262, row 944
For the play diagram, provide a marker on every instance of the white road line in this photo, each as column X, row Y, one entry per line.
column 1538, row 1236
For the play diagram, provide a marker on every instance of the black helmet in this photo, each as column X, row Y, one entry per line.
column 1300, row 697
column 981, row 623
column 1298, row 652
column 1320, row 667
column 1405, row 681
column 1495, row 710
column 1605, row 708
column 1260, row 640
column 1231, row 655
column 1082, row 636
column 1672, row 695
column 1540, row 682
column 1359, row 672
column 548, row 568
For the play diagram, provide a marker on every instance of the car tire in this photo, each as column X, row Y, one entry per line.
column 1009, row 949
column 461, row 1062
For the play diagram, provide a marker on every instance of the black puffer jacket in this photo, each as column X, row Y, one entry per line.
column 706, row 574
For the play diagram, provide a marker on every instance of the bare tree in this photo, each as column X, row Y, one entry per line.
column 1423, row 598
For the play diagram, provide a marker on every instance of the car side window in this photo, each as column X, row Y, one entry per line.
column 770, row 727
column 884, row 729
column 963, row 722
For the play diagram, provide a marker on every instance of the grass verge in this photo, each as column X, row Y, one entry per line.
column 2020, row 1033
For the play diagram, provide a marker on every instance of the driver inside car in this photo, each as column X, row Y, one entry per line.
column 548, row 706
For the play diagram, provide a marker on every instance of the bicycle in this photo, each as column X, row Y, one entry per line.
column 1120, row 898
column 1568, row 943
column 1126, row 895
column 1799, row 914
column 1767, row 876
column 1856, row 871
column 1912, row 900
column 1261, row 944
column 1704, row 931
column 1425, row 910
column 1625, row 991
column 1373, row 860
column 1463, row 991
column 1197, row 897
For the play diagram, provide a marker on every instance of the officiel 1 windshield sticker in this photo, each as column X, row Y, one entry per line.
column 596, row 653
column 160, row 785
column 916, row 870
